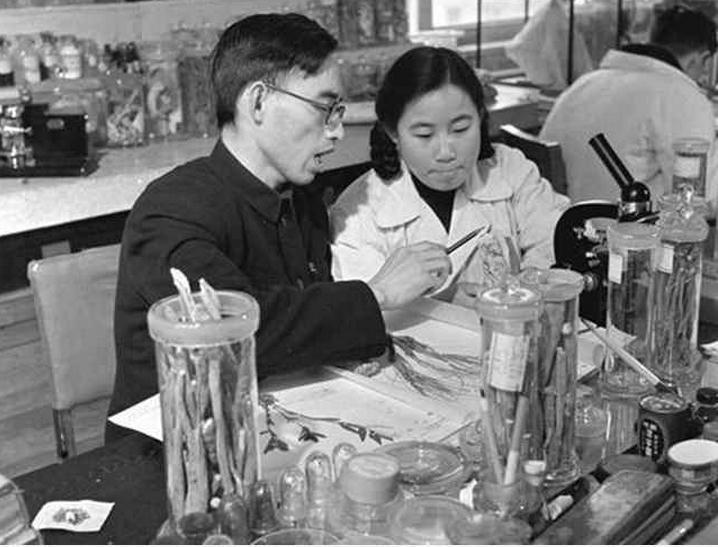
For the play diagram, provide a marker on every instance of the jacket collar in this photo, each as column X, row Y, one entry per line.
column 261, row 197
column 624, row 60
column 401, row 203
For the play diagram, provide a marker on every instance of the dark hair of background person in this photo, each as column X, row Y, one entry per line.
column 417, row 72
column 263, row 47
column 683, row 30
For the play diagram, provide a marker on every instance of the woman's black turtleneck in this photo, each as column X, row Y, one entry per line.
column 440, row 201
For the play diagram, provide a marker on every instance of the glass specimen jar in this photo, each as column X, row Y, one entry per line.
column 677, row 293
column 693, row 465
column 632, row 251
column 689, row 164
column 509, row 325
column 551, row 422
column 208, row 395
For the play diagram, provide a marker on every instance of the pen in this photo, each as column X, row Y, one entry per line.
column 676, row 533
column 468, row 237
column 631, row 361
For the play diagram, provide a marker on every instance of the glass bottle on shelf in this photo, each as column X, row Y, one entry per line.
column 348, row 23
column 71, row 57
column 632, row 249
column 7, row 78
column 164, row 105
column 198, row 114
column 28, row 62
column 366, row 22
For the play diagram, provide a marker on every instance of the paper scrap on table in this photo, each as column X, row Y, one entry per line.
column 75, row 516
column 145, row 417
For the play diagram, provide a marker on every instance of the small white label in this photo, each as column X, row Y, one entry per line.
column 615, row 267
column 687, row 167
column 507, row 360
column 665, row 264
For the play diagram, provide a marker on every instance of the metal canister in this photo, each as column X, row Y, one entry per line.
column 663, row 420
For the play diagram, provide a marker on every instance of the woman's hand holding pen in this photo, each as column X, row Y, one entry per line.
column 410, row 272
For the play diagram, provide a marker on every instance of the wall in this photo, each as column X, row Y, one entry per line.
column 109, row 23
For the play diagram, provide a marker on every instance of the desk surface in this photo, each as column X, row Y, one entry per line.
column 128, row 472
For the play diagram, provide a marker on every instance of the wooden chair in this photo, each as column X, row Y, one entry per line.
column 74, row 298
column 546, row 155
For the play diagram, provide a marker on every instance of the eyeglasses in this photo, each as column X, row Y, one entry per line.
column 334, row 110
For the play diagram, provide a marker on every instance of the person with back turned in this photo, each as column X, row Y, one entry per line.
column 246, row 218
column 642, row 98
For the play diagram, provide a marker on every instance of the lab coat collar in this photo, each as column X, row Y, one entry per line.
column 402, row 203
column 623, row 60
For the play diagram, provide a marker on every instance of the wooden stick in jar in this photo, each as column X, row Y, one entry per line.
column 512, row 460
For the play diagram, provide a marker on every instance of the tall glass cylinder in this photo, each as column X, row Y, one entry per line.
column 509, row 325
column 208, row 394
column 632, row 251
column 674, row 336
column 553, row 411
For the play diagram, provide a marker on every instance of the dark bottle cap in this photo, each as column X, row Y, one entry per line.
column 707, row 396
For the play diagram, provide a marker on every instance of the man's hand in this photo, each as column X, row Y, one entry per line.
column 410, row 272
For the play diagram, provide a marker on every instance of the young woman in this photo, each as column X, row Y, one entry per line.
column 436, row 177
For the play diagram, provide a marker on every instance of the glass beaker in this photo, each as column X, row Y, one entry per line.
column 551, row 423
column 509, row 324
column 632, row 250
column 677, row 292
column 689, row 164
column 208, row 394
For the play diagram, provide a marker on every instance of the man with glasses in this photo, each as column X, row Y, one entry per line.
column 245, row 218
column 642, row 97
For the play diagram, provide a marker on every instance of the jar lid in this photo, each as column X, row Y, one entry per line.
column 240, row 318
column 424, row 520
column 369, row 477
column 707, row 395
column 554, row 284
column 693, row 453
column 509, row 302
column 428, row 468
column 633, row 235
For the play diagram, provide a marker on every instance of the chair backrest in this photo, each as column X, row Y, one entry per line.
column 74, row 298
column 545, row 154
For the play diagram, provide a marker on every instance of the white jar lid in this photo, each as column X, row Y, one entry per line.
column 694, row 453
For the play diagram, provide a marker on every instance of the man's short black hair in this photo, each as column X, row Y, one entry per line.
column 683, row 30
column 263, row 47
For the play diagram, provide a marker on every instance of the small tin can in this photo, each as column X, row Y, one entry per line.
column 663, row 420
